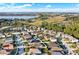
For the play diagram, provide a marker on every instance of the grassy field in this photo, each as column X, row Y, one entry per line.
column 38, row 21
column 57, row 19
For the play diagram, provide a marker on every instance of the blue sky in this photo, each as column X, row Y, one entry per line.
column 39, row 7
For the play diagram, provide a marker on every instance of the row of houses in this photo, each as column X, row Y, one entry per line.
column 71, row 43
column 37, row 38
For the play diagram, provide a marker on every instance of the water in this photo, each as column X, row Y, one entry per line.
column 19, row 17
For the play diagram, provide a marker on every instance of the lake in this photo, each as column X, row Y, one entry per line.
column 19, row 17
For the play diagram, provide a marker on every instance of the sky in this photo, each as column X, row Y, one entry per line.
column 39, row 7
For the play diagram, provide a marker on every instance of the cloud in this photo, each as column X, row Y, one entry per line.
column 77, row 5
column 1, row 4
column 56, row 10
column 12, row 5
column 15, row 8
column 27, row 4
column 48, row 6
column 23, row 8
column 39, row 10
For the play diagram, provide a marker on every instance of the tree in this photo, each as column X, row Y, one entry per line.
column 44, row 24
column 45, row 50
column 72, row 28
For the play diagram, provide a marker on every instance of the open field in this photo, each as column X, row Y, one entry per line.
column 57, row 19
